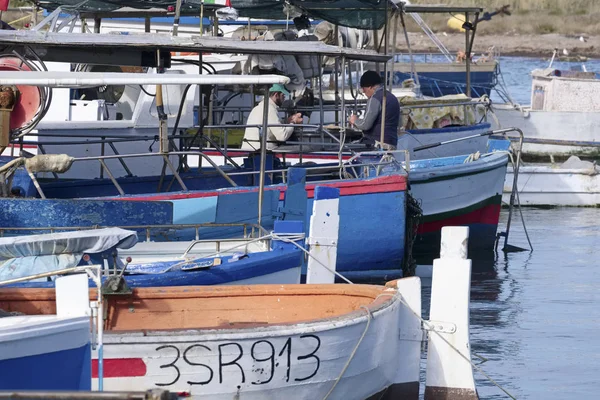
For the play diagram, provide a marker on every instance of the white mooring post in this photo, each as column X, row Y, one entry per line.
column 323, row 235
column 449, row 374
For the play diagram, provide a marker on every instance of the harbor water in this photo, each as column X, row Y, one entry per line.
column 516, row 74
column 535, row 315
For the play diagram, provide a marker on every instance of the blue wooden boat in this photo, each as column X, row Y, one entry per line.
column 50, row 352
column 44, row 352
column 242, row 263
column 441, row 79
column 372, row 211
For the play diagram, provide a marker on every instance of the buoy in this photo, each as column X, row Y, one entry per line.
column 28, row 102
column 456, row 24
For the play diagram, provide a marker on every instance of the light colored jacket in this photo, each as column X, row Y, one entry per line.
column 276, row 133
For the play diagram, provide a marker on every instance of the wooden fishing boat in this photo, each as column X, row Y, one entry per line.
column 283, row 341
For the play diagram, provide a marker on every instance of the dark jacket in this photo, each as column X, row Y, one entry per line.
column 370, row 123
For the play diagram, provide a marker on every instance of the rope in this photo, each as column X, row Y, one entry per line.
column 472, row 157
column 290, row 238
column 468, row 359
column 275, row 236
column 369, row 321
column 414, row 213
column 369, row 318
column 519, row 201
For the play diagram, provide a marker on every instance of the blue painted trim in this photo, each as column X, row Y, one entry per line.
column 453, row 129
column 377, row 276
column 288, row 227
column 296, row 175
column 251, row 266
column 326, row 193
column 67, row 370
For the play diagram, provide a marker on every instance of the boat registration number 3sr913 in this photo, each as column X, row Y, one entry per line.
column 248, row 362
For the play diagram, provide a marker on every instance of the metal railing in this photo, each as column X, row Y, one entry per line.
column 250, row 230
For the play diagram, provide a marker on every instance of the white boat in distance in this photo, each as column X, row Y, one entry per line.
column 563, row 118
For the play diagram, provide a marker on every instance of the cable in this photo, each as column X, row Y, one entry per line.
column 369, row 318
column 144, row 90
column 45, row 93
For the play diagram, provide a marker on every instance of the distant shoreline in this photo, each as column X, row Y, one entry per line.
column 528, row 45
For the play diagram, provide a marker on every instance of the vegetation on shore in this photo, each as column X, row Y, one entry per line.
column 567, row 17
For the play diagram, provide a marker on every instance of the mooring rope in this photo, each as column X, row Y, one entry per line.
column 468, row 359
column 275, row 236
column 369, row 318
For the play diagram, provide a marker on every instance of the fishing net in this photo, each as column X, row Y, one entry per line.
column 361, row 14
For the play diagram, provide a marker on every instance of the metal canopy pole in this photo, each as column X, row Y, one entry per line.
column 321, row 109
column 410, row 54
column 394, row 47
column 163, row 133
column 469, row 49
column 385, row 74
column 468, row 55
column 202, row 18
column 200, row 109
column 177, row 15
column 336, row 72
column 263, row 153
column 343, row 107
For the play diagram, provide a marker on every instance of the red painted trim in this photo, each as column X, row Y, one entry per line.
column 382, row 184
column 486, row 215
column 242, row 153
column 120, row 367
column 191, row 195
column 25, row 146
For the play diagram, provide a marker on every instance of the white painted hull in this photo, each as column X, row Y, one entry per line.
column 550, row 186
column 462, row 188
column 575, row 127
column 467, row 146
column 295, row 361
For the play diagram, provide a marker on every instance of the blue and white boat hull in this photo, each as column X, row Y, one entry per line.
column 45, row 353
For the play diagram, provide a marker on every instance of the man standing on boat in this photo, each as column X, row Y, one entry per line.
column 276, row 134
column 370, row 123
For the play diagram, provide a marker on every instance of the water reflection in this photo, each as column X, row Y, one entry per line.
column 535, row 315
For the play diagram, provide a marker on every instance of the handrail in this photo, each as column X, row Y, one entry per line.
column 147, row 228
column 165, row 157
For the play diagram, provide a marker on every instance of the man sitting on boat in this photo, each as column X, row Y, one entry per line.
column 370, row 123
column 276, row 134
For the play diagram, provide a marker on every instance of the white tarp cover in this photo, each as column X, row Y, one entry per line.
column 22, row 256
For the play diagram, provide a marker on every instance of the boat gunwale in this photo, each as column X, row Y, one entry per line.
column 487, row 162
column 382, row 297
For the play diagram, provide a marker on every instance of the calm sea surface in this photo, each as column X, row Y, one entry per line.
column 517, row 79
column 535, row 316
